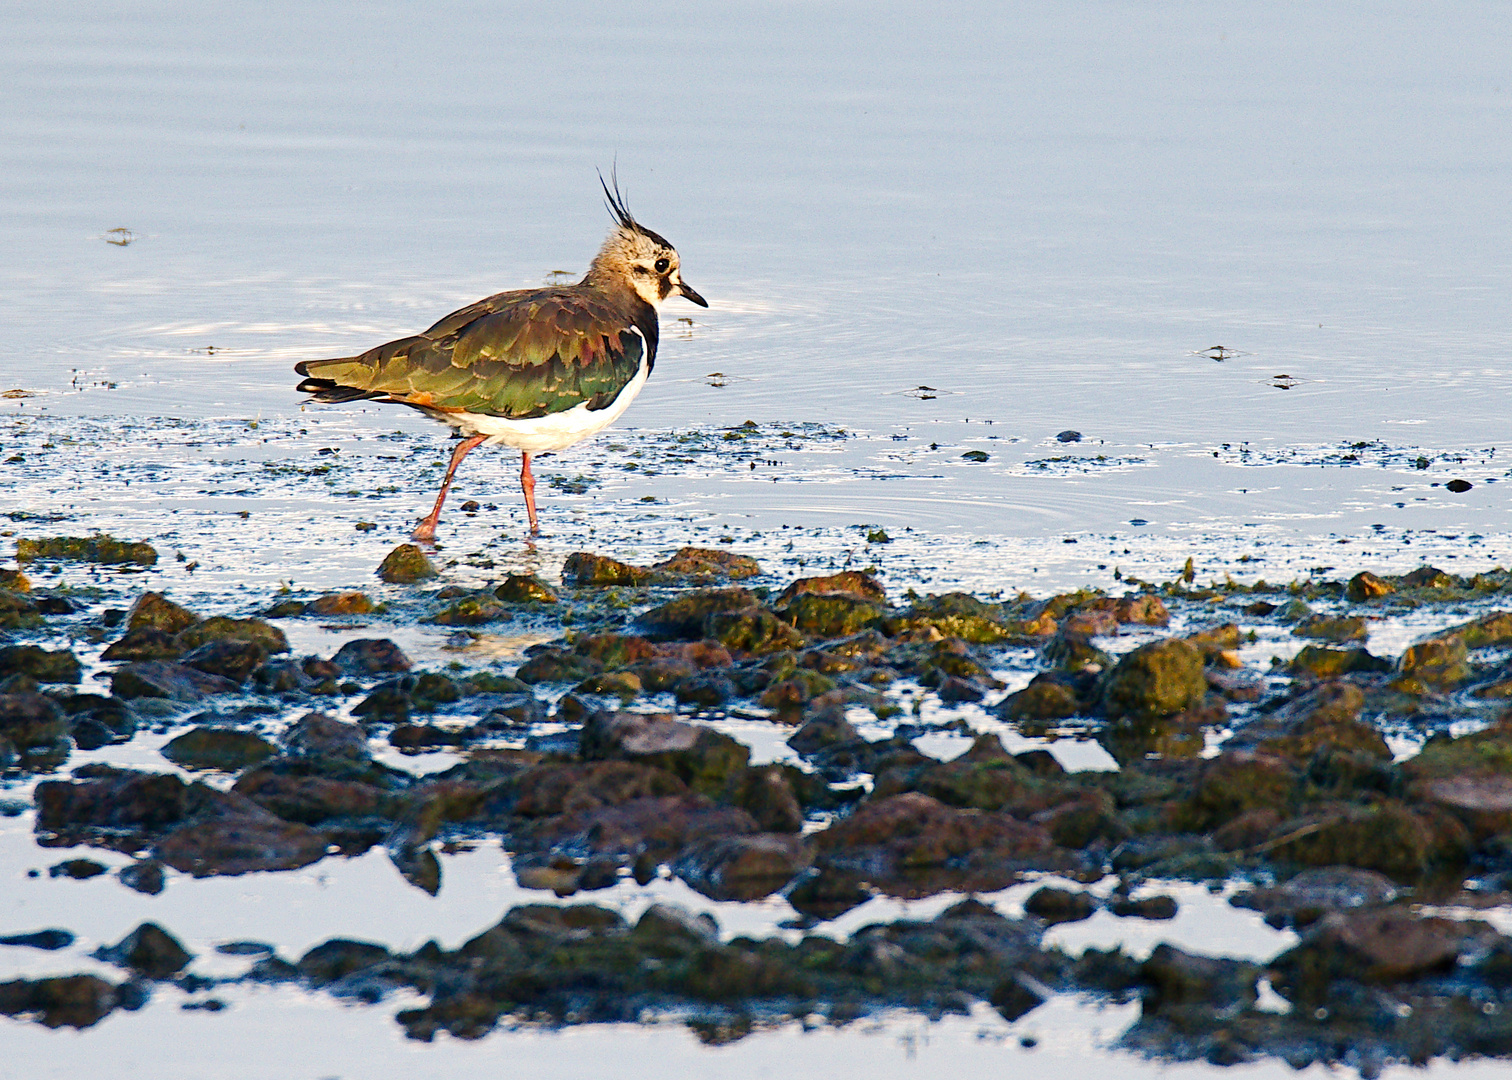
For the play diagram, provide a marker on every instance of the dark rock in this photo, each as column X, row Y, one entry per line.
column 119, row 800
column 241, row 845
column 822, row 730
column 614, row 651
column 955, row 689
column 622, row 684
column 78, row 869
column 766, row 794
column 701, row 565
column 1155, row 680
column 143, row 643
column 1157, row 908
column 283, row 677
column 1332, row 628
column 90, row 734
column 1310, row 895
column 510, row 711
column 1176, row 978
column 706, row 691
column 161, row 679
column 557, row 665
column 1382, row 945
column 148, row 950
column 31, row 720
column 1386, row 836
column 1018, row 995
column 686, row 616
column 77, row 1001
column 218, row 748
column 672, row 925
column 317, row 735
column 405, row 565
column 312, row 800
column 43, row 666
column 829, row 894
column 48, row 940
column 743, row 867
column 144, row 876
column 701, row 757
column 234, row 660
column 1045, row 698
column 1059, row 905
column 525, row 589
column 337, row 958
column 16, row 611
column 549, row 789
column 370, row 656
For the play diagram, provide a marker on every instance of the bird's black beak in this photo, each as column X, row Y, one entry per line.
column 685, row 289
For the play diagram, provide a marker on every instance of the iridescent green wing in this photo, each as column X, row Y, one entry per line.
column 516, row 355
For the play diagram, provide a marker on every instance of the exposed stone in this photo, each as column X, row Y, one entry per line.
column 370, row 656
column 337, row 958
column 1323, row 662
column 61, row 666
column 148, row 950
column 686, row 616
column 743, row 867
column 234, row 660
column 31, row 720
column 100, row 548
column 405, row 565
column 585, row 568
column 1174, row 978
column 525, row 589
column 241, row 845
column 1366, row 586
column 1332, row 628
column 850, row 582
column 256, row 631
column 1059, row 905
column 161, row 679
column 704, row 564
column 1155, row 680
column 756, row 631
column 316, row 735
column 218, row 748
column 342, row 603
column 831, row 615
column 701, row 757
column 77, row 1001
column 471, row 611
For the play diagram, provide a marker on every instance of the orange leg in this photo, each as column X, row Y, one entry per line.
column 527, row 485
column 426, row 530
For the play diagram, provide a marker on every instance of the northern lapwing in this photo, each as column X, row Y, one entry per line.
column 534, row 369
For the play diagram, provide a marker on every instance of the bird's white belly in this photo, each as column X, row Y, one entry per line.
column 554, row 431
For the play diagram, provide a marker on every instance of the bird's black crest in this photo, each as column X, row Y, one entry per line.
column 619, row 211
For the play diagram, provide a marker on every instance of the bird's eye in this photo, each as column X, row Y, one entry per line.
column 662, row 264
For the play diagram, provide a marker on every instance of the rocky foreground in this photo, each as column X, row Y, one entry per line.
column 1280, row 778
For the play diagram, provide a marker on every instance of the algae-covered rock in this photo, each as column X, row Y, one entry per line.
column 701, row 757
column 257, row 631
column 1386, row 835
column 848, row 582
column 61, row 666
column 1324, row 662
column 1332, row 628
column 144, row 643
column 756, row 631
column 218, row 748
column 1042, row 699
column 30, row 720
column 101, row 548
column 743, row 867
column 1175, row 978
column 342, row 603
column 1155, row 680
column 831, row 615
column 557, row 665
column 1384, row 945
column 1488, row 630
column 1234, row 783
column 525, row 589
column 791, row 694
column 963, row 616
column 15, row 581
column 405, row 565
column 1436, row 663
column 585, row 568
column 686, row 616
column 693, row 564
column 156, row 611
column 912, row 831
column 1366, row 586
column 230, row 659
column 614, row 650
column 471, row 611
column 17, row 611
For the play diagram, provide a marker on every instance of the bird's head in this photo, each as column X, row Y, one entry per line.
column 633, row 255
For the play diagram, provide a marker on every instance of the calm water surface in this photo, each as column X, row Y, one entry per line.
column 1047, row 214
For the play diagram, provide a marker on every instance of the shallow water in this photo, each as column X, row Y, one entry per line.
column 1048, row 220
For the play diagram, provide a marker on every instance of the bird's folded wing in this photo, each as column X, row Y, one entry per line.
column 516, row 355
